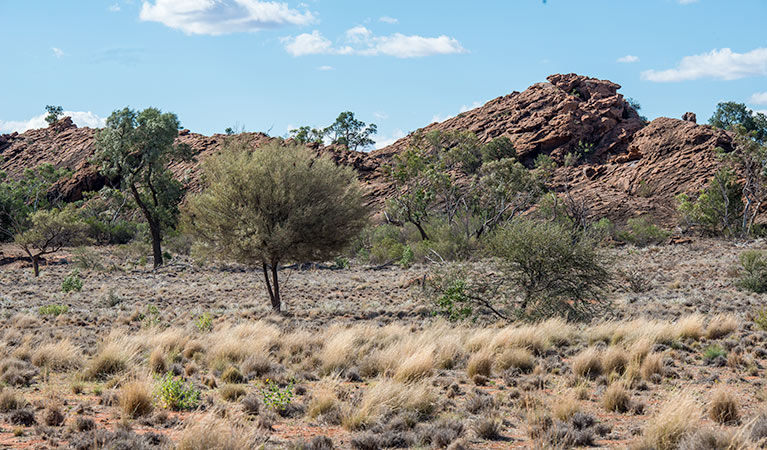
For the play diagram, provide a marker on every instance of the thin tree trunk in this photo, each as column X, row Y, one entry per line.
column 424, row 236
column 154, row 229
column 276, row 301
column 36, row 265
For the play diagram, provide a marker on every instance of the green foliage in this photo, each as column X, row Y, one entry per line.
column 718, row 209
column 22, row 196
column 52, row 310
column 713, row 351
column 498, row 149
column 641, row 232
column 307, row 135
column 136, row 147
column 151, row 318
column 176, row 395
column 349, row 132
column 49, row 231
column 729, row 115
column 407, row 257
column 111, row 216
column 753, row 270
column 760, row 319
column 54, row 112
column 72, row 282
column 86, row 258
column 274, row 205
column 341, row 262
column 204, row 322
column 275, row 397
column 453, row 301
column 555, row 271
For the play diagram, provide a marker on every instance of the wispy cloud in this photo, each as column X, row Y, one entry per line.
column 114, row 7
column 326, row 68
column 80, row 118
column 759, row 98
column 361, row 41
column 389, row 20
column 721, row 64
column 223, row 16
column 385, row 141
column 687, row 2
column 57, row 52
column 628, row 59
column 128, row 57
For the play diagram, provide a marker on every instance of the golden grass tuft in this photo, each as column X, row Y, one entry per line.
column 616, row 398
column 61, row 355
column 480, row 363
column 588, row 363
column 387, row 397
column 417, row 366
column 565, row 406
column 678, row 416
column 614, row 359
column 136, row 399
column 652, row 364
column 723, row 408
column 721, row 325
column 157, row 361
column 519, row 358
column 221, row 434
column 690, row 327
column 114, row 357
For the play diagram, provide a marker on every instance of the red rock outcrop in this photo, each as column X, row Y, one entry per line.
column 634, row 168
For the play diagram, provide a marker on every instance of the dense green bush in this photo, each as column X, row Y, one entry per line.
column 641, row 232
column 718, row 209
column 753, row 270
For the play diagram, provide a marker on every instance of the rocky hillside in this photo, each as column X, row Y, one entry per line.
column 633, row 169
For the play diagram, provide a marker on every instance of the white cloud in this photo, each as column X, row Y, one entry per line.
column 223, row 16
column 721, row 64
column 57, row 52
column 687, row 2
column 389, row 20
column 628, row 59
column 326, row 68
column 361, row 41
column 114, row 8
column 759, row 98
column 80, row 118
column 465, row 108
column 761, row 111
column 380, row 115
column 390, row 139
column 441, row 118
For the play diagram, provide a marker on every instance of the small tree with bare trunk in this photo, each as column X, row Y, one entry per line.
column 49, row 231
column 274, row 205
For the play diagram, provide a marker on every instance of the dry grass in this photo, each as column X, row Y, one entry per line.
column 417, row 366
column 652, row 364
column 565, row 406
column 518, row 358
column 221, row 434
column 723, row 408
column 677, row 417
column 157, row 361
column 323, row 401
column 721, row 325
column 614, row 359
column 690, row 327
column 114, row 357
column 480, row 364
column 616, row 398
column 62, row 355
column 136, row 399
column 588, row 363
column 386, row 397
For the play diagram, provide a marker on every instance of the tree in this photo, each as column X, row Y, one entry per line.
column 557, row 272
column 135, row 149
column 730, row 114
column 307, row 135
column 54, row 112
column 350, row 132
column 23, row 196
column 273, row 205
column 719, row 207
column 49, row 231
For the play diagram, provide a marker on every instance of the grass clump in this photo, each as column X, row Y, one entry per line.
column 616, row 398
column 588, row 363
column 518, row 358
column 723, row 408
column 136, row 399
column 721, row 325
column 72, row 282
column 52, row 310
column 480, row 364
column 713, row 351
column 678, row 417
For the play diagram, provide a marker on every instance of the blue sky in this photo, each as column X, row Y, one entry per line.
column 269, row 66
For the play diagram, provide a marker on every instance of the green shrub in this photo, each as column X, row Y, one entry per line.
column 641, row 232
column 204, row 322
column 407, row 257
column 454, row 304
column 760, row 319
column 275, row 397
column 176, row 395
column 72, row 282
column 52, row 310
column 555, row 271
column 753, row 269
column 718, row 208
column 713, row 351
column 86, row 258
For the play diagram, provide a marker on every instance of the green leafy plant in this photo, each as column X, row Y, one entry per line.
column 641, row 232
column 713, row 351
column 53, row 310
column 72, row 282
column 760, row 319
column 176, row 395
column 151, row 318
column 341, row 262
column 204, row 322
column 753, row 269
column 407, row 257
column 454, row 303
column 275, row 397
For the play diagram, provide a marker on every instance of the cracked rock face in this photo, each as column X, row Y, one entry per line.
column 630, row 169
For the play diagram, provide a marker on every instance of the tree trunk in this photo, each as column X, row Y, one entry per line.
column 154, row 229
column 424, row 237
column 274, row 294
column 36, row 265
